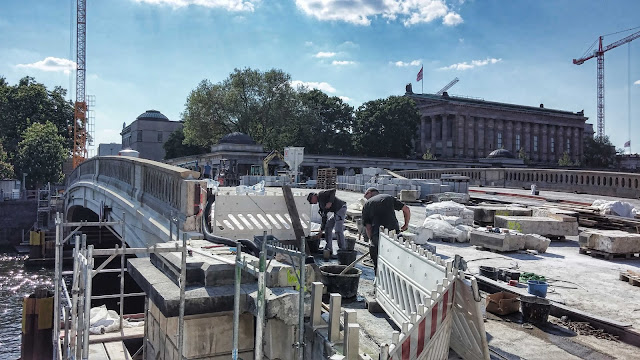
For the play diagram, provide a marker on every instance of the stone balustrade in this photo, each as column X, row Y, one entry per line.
column 625, row 185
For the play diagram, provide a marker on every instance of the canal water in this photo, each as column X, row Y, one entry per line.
column 16, row 282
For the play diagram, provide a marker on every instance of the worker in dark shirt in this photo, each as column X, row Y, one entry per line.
column 379, row 210
column 329, row 203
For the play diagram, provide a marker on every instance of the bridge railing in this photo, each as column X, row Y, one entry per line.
column 626, row 185
column 152, row 183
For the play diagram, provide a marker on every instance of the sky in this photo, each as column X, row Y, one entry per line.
column 149, row 54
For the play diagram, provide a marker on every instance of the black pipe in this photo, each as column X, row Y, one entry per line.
column 248, row 246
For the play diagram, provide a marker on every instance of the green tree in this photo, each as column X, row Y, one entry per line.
column 565, row 160
column 599, row 152
column 29, row 102
column 6, row 169
column 323, row 125
column 41, row 154
column 428, row 155
column 523, row 155
column 175, row 147
column 259, row 104
column 386, row 127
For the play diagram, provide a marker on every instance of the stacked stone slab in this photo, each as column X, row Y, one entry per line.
column 270, row 181
column 546, row 226
column 610, row 241
column 511, row 241
column 485, row 213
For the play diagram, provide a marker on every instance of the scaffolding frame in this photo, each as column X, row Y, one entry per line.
column 75, row 308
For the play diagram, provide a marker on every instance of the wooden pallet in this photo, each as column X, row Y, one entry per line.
column 608, row 256
column 631, row 277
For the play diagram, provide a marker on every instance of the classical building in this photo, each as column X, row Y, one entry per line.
column 148, row 133
column 466, row 128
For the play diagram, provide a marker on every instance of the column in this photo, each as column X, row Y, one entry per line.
column 527, row 139
column 508, row 137
column 480, row 143
column 423, row 134
column 461, row 132
column 541, row 143
column 454, row 135
column 579, row 141
column 470, row 136
column 561, row 145
column 433, row 134
column 490, row 134
column 553, row 144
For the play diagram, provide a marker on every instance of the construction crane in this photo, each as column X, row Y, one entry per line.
column 79, row 153
column 599, row 54
column 448, row 86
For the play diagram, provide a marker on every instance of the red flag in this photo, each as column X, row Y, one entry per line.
column 627, row 144
column 419, row 77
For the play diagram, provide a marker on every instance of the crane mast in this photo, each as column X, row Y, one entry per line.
column 79, row 153
column 599, row 54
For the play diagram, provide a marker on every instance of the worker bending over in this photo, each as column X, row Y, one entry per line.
column 379, row 210
column 329, row 203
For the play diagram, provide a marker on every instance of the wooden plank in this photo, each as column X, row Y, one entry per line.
column 295, row 216
column 98, row 352
column 117, row 351
column 125, row 334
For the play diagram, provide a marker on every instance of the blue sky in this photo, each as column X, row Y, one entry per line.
column 149, row 54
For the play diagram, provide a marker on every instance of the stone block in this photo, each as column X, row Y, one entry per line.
column 610, row 241
column 485, row 214
column 210, row 335
column 495, row 241
column 555, row 213
column 536, row 242
column 409, row 195
column 278, row 338
column 537, row 225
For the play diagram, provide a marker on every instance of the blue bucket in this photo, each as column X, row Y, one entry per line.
column 537, row 288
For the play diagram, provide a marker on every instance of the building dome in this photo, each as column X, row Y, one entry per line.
column 501, row 154
column 237, row 138
column 152, row 115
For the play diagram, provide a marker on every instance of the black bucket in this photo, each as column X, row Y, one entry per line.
column 490, row 272
column 506, row 275
column 346, row 285
column 314, row 245
column 346, row 257
column 350, row 243
column 535, row 310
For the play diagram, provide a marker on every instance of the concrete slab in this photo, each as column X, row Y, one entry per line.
column 536, row 242
column 555, row 213
column 495, row 241
column 537, row 225
column 610, row 241
column 484, row 214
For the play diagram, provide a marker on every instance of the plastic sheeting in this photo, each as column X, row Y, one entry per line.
column 618, row 208
column 442, row 229
column 104, row 321
column 451, row 209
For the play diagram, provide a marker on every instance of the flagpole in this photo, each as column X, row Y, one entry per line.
column 422, row 69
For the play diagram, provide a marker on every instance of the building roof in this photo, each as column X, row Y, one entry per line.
column 237, row 138
column 501, row 154
column 154, row 115
column 475, row 101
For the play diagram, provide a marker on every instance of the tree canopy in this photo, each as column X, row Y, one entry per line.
column 41, row 153
column 599, row 152
column 175, row 147
column 6, row 169
column 265, row 106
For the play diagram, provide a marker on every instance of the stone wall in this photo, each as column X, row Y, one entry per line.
column 16, row 216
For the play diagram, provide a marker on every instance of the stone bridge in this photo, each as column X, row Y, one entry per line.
column 146, row 194
column 624, row 185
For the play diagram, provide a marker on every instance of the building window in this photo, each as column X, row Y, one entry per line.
column 569, row 146
column 517, row 142
column 535, row 143
column 139, row 135
column 553, row 145
column 499, row 141
column 159, row 136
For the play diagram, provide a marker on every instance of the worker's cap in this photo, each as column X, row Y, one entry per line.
column 311, row 194
column 372, row 189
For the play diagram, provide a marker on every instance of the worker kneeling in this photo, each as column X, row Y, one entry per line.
column 329, row 203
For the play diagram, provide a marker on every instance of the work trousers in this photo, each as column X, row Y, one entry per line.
column 336, row 222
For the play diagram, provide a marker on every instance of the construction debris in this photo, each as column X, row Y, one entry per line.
column 618, row 208
column 584, row 328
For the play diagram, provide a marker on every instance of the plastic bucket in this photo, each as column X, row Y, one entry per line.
column 314, row 245
column 346, row 257
column 490, row 272
column 350, row 243
column 537, row 288
column 346, row 285
column 535, row 310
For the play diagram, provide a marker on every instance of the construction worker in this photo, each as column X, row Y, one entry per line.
column 329, row 203
column 379, row 210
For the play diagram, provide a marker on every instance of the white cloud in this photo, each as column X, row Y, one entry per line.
column 405, row 64
column 637, row 82
column 308, row 43
column 323, row 86
column 452, row 19
column 360, row 12
column 342, row 62
column 349, row 44
column 324, row 54
column 52, row 64
column 231, row 5
column 473, row 64
column 345, row 98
